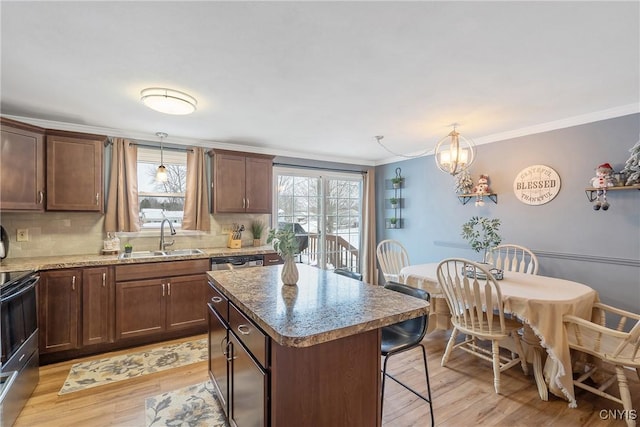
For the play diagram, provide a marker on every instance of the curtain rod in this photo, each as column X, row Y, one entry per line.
column 158, row 148
column 318, row 168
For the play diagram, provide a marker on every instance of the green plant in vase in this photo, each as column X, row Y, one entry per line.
column 286, row 244
column 393, row 222
column 482, row 234
column 394, row 202
column 396, row 181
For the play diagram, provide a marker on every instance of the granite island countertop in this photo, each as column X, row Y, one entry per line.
column 322, row 307
column 93, row 260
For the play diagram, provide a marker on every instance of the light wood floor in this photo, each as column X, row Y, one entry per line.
column 462, row 394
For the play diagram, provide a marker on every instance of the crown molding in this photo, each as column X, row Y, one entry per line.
column 620, row 111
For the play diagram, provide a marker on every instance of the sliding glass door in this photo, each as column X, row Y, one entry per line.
column 325, row 209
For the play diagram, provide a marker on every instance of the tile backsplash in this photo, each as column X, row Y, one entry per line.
column 78, row 233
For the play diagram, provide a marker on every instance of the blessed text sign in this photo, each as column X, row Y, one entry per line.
column 536, row 185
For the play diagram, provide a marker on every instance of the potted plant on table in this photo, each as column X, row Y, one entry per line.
column 286, row 244
column 257, row 228
column 482, row 234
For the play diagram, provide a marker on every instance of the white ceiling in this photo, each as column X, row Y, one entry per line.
column 321, row 79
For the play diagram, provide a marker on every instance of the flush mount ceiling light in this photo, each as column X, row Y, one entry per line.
column 454, row 153
column 161, row 174
column 168, row 101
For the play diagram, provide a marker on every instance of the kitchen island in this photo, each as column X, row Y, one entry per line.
column 313, row 349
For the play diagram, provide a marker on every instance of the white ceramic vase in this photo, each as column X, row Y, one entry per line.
column 289, row 273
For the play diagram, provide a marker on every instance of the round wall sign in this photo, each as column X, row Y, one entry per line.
column 536, row 185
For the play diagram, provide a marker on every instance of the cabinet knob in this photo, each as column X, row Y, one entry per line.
column 104, row 280
column 40, row 197
column 163, row 289
column 169, row 288
column 73, row 283
column 216, row 299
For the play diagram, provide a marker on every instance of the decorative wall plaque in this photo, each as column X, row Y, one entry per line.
column 536, row 185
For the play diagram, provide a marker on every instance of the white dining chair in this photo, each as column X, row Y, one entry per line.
column 510, row 257
column 607, row 341
column 392, row 257
column 477, row 310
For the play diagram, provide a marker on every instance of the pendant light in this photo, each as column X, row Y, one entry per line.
column 454, row 153
column 161, row 174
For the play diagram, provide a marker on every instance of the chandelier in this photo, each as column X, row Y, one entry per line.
column 454, row 153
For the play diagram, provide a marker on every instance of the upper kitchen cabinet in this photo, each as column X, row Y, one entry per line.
column 242, row 182
column 75, row 171
column 21, row 167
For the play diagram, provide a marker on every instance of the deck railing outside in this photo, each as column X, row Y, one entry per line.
column 340, row 253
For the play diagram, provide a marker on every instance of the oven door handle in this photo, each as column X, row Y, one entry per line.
column 22, row 290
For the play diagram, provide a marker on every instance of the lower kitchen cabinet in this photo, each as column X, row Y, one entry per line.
column 59, row 293
column 247, row 402
column 75, row 308
column 97, row 305
column 159, row 298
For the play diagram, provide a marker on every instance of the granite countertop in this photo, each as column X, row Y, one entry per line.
column 92, row 260
column 324, row 306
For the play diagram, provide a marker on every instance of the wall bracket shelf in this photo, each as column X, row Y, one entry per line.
column 464, row 198
column 592, row 193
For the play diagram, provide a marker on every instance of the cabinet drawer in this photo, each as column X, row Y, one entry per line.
column 249, row 334
column 161, row 269
column 218, row 302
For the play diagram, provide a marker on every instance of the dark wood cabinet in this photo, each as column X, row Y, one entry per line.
column 75, row 172
column 155, row 298
column 59, row 309
column 186, row 298
column 140, row 308
column 97, row 305
column 218, row 363
column 241, row 182
column 22, row 173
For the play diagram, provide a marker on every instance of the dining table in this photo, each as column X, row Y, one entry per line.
column 540, row 302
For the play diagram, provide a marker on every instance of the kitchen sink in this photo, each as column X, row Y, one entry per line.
column 157, row 254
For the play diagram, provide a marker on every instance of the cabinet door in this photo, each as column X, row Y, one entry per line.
column 186, row 296
column 272, row 259
column 58, row 310
column 248, row 388
column 74, row 174
column 21, row 168
column 140, row 308
column 228, row 183
column 258, row 184
column 218, row 347
column 97, row 305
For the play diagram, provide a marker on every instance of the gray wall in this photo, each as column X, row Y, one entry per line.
column 571, row 240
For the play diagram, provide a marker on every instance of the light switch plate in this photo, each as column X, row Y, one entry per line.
column 22, row 235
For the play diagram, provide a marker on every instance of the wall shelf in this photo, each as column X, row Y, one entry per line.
column 592, row 192
column 464, row 198
column 397, row 194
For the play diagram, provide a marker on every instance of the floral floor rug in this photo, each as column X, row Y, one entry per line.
column 193, row 406
column 105, row 371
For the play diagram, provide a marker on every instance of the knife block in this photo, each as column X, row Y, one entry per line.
column 233, row 243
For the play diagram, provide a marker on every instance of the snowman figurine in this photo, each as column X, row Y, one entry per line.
column 602, row 181
column 481, row 189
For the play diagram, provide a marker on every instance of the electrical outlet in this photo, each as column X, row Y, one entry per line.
column 226, row 228
column 22, row 235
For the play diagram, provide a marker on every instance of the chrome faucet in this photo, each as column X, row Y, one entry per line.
column 163, row 245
